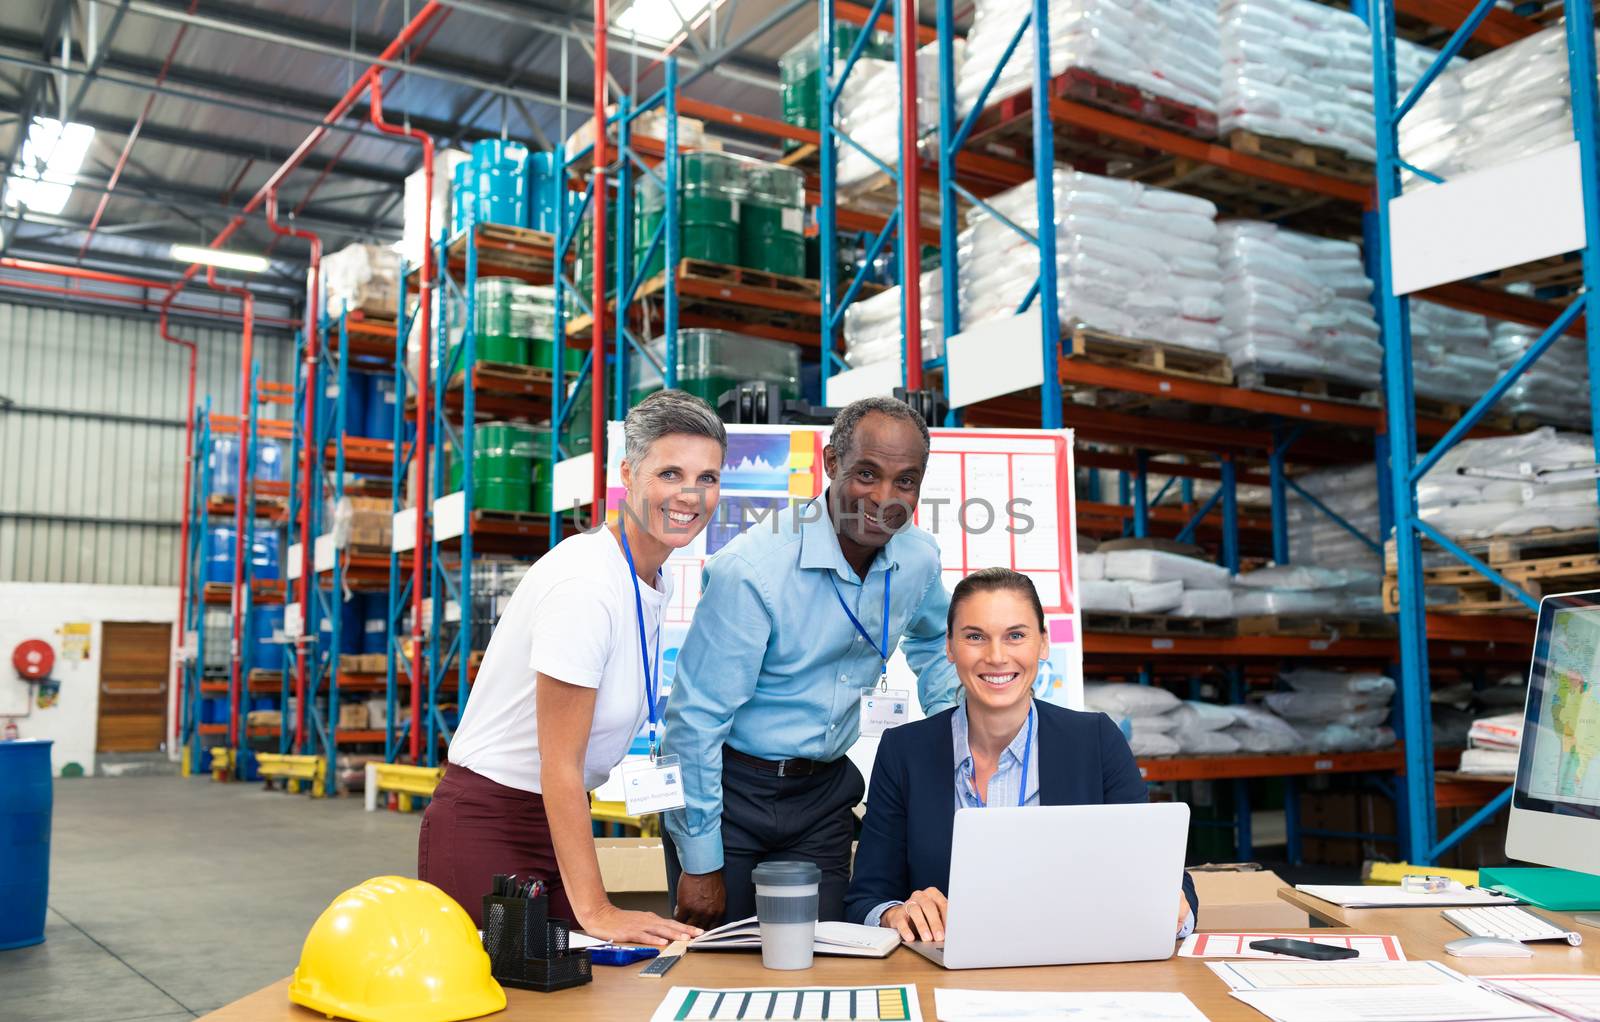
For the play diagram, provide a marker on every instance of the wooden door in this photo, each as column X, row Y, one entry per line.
column 135, row 670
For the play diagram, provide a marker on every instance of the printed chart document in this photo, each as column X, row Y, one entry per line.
column 1020, row 1006
column 1322, row 976
column 833, row 938
column 805, row 1004
column 1463, row 1002
column 1364, row 896
column 1371, row 948
column 1575, row 997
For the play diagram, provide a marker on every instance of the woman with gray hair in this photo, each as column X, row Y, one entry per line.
column 569, row 677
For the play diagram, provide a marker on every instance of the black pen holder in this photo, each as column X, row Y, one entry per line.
column 528, row 949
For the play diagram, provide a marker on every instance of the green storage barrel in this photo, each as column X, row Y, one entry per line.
column 772, row 221
column 713, row 361
column 510, row 467
column 710, row 187
column 499, row 340
column 585, row 256
column 800, row 92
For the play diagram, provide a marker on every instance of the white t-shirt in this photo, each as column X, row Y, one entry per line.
column 572, row 617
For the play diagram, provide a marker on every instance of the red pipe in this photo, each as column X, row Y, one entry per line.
column 133, row 136
column 910, row 193
column 247, row 412
column 360, row 85
column 308, row 454
column 29, row 266
column 597, row 339
column 420, row 455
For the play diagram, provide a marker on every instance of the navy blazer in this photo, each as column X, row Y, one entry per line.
column 906, row 836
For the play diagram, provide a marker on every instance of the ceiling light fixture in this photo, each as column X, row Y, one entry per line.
column 220, row 257
column 51, row 156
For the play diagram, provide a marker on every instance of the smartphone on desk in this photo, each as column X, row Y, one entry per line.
column 1305, row 949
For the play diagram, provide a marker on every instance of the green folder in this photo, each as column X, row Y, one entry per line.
column 1559, row 890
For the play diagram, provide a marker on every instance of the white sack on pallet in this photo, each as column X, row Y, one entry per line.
column 1555, row 388
column 1510, row 103
column 1132, row 260
column 869, row 112
column 1348, row 738
column 1263, row 602
column 1369, row 686
column 1328, row 708
column 1123, row 700
column 1492, row 486
column 1297, row 304
column 1205, row 603
column 1154, row 597
column 1168, row 47
column 1152, row 743
column 1091, row 567
column 363, row 278
column 1161, row 566
column 1295, row 577
column 1194, row 715
column 1255, row 740
column 1104, row 596
column 1450, row 353
column 873, row 331
column 1206, row 743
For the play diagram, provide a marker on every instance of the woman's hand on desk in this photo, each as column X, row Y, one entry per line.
column 621, row 927
column 919, row 917
column 1183, row 910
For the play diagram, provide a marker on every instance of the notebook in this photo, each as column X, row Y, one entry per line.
column 832, row 939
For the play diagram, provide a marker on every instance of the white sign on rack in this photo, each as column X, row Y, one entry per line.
column 403, row 536
column 995, row 358
column 323, row 553
column 450, row 515
column 295, row 558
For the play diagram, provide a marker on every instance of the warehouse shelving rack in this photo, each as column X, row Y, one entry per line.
column 1047, row 121
column 1406, row 468
column 404, row 582
column 194, row 608
column 458, row 532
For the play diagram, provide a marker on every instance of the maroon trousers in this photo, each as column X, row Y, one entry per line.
column 475, row 828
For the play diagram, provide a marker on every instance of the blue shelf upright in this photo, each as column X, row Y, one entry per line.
column 1405, row 470
column 404, row 581
column 194, row 609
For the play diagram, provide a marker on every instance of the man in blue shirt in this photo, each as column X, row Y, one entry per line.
column 789, row 632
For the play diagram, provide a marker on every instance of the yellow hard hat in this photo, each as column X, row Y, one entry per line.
column 395, row 950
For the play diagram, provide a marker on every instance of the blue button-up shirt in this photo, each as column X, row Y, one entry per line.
column 773, row 667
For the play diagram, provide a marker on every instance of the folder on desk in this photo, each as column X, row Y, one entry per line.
column 833, row 938
column 1556, row 890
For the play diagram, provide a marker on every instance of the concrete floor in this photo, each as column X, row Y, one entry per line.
column 170, row 897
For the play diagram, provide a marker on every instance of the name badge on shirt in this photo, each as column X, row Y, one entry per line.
column 652, row 786
column 882, row 709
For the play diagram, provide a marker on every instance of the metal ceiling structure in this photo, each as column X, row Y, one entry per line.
column 182, row 143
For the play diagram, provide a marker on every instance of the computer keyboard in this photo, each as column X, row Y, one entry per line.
column 1509, row 922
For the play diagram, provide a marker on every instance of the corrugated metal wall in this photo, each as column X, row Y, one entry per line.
column 91, row 440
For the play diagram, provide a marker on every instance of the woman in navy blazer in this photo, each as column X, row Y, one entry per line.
column 997, row 745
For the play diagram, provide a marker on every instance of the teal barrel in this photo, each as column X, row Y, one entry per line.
column 25, row 801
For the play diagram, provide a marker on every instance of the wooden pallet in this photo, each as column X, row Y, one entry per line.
column 1154, row 624
column 1093, row 345
column 1452, row 411
column 1315, row 627
column 1563, row 273
column 504, row 247
column 516, row 377
column 1538, row 577
column 1306, row 386
column 1086, row 87
column 700, row 269
column 363, row 663
column 485, row 514
column 1253, row 198
column 1322, row 159
column 1506, row 553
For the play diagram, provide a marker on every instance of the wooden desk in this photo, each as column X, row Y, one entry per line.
column 1423, row 933
column 619, row 994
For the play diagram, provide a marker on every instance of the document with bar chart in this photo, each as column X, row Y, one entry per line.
column 798, row 1004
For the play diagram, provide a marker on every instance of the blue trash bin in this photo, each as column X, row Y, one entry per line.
column 25, row 801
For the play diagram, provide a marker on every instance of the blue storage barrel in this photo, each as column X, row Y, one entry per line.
column 461, row 193
column 25, row 801
column 223, row 460
column 269, row 459
column 500, row 176
column 380, row 407
column 267, row 624
column 351, row 627
column 264, row 548
column 219, row 554
column 375, row 623
column 355, row 404
column 544, row 192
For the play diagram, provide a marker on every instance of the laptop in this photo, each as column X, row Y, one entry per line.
column 1063, row 885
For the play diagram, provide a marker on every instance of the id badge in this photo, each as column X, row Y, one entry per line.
column 882, row 709
column 652, row 786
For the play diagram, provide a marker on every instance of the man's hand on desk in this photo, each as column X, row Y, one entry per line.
column 1183, row 911
column 919, row 917
column 702, row 899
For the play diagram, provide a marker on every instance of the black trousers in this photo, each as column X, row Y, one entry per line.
column 770, row 818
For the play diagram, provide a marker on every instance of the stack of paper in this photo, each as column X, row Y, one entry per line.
column 833, row 938
column 1576, row 997
column 1016, row 1006
column 1366, row 992
column 1494, row 745
column 1371, row 896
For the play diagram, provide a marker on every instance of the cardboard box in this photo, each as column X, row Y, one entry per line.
column 1233, row 897
column 353, row 716
column 634, row 872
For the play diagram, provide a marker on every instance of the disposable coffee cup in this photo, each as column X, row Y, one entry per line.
column 786, row 909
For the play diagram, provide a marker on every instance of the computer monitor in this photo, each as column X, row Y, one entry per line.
column 1555, row 806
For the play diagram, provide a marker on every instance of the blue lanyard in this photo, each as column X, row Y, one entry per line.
column 1027, row 754
column 882, row 649
column 652, row 679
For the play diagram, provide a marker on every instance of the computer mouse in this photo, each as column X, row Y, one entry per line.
column 1488, row 947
